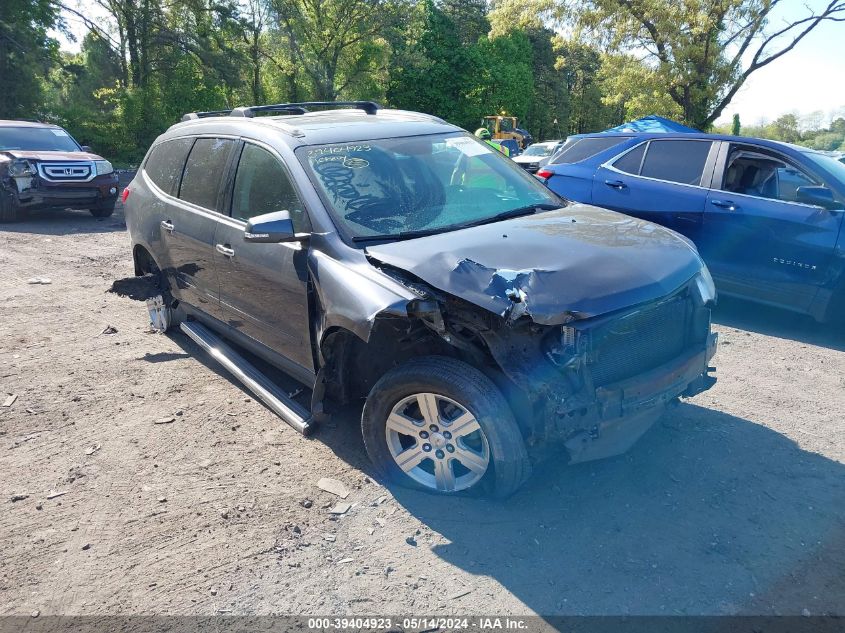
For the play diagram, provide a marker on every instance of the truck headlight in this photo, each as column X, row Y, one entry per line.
column 705, row 286
column 103, row 167
column 21, row 168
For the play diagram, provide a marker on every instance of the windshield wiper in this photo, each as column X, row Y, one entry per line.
column 402, row 235
column 529, row 209
column 505, row 215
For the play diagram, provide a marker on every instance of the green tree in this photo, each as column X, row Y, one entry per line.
column 580, row 66
column 784, row 128
column 736, row 126
column 633, row 89
column 431, row 71
column 332, row 40
column 548, row 114
column 27, row 54
column 827, row 141
column 469, row 18
column 702, row 52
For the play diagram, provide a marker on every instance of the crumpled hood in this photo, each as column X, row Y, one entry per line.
column 35, row 155
column 579, row 261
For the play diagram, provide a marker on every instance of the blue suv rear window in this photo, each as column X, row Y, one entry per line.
column 577, row 149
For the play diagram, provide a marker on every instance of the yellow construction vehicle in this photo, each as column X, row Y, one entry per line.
column 505, row 128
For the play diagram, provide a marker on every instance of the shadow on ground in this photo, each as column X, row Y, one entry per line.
column 66, row 222
column 707, row 514
column 745, row 315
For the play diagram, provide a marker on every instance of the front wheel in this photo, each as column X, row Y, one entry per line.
column 441, row 425
column 103, row 210
column 9, row 209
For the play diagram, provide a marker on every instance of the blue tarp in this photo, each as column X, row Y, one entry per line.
column 651, row 124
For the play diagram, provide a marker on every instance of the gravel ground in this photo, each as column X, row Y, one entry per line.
column 734, row 503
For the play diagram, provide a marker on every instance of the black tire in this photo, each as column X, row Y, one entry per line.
column 104, row 210
column 509, row 466
column 9, row 210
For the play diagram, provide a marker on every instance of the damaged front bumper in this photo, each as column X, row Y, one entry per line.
column 626, row 410
column 598, row 384
column 35, row 194
column 685, row 376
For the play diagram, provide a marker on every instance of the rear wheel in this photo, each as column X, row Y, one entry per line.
column 439, row 424
column 9, row 209
column 161, row 308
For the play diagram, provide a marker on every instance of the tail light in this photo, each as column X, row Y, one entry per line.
column 125, row 195
column 545, row 174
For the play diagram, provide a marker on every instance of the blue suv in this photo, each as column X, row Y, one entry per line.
column 766, row 216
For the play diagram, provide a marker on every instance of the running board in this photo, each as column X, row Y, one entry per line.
column 269, row 393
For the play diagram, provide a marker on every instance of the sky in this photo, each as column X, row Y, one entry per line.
column 808, row 78
column 811, row 77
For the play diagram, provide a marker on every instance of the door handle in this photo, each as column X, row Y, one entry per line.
column 725, row 204
column 616, row 184
column 167, row 225
column 225, row 250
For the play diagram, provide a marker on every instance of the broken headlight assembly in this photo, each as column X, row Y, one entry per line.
column 705, row 288
column 562, row 347
column 103, row 167
column 21, row 168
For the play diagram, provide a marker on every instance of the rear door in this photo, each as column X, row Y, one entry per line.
column 758, row 240
column 191, row 220
column 661, row 181
column 574, row 164
column 264, row 287
column 162, row 171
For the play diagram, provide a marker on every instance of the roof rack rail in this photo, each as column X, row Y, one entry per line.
column 249, row 111
column 370, row 107
column 191, row 116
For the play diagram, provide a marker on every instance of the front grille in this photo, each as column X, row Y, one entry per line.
column 639, row 341
column 75, row 171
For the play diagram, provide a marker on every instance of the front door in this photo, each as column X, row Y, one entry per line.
column 264, row 287
column 758, row 239
column 660, row 181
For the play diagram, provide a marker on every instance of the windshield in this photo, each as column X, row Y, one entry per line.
column 39, row 139
column 431, row 183
column 831, row 165
column 538, row 150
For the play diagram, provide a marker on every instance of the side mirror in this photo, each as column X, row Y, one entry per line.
column 816, row 195
column 271, row 228
column 86, row 148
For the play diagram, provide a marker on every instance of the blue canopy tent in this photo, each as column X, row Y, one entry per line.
column 651, row 124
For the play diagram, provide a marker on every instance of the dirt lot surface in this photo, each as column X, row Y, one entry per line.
column 734, row 503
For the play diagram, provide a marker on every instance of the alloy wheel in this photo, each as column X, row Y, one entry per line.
column 437, row 442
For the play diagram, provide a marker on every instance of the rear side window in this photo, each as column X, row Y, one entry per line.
column 579, row 149
column 204, row 171
column 165, row 163
column 676, row 161
column 631, row 162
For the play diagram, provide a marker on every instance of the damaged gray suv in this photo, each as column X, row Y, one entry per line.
column 390, row 257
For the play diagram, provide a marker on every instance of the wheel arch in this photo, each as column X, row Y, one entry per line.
column 351, row 365
column 142, row 258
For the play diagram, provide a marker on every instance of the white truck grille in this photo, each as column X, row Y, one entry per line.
column 75, row 171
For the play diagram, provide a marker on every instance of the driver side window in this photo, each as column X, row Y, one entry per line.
column 262, row 186
column 755, row 172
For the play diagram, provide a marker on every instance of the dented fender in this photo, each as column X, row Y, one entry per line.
column 352, row 297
